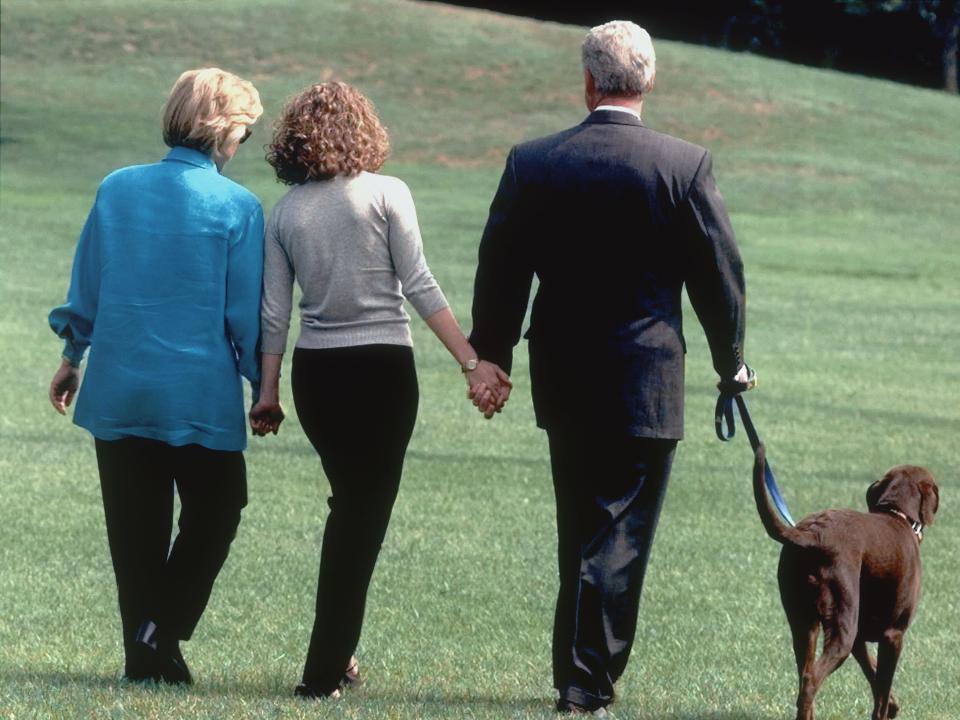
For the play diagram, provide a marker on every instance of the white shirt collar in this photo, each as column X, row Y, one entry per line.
column 618, row 108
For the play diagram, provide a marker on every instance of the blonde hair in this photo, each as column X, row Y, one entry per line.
column 620, row 57
column 327, row 130
column 208, row 109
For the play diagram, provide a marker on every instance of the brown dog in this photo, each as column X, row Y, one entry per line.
column 856, row 575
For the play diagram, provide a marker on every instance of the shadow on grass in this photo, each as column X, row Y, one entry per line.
column 61, row 678
column 432, row 703
column 465, row 701
column 268, row 689
column 714, row 715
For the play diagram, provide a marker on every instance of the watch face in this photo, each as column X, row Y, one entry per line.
column 471, row 365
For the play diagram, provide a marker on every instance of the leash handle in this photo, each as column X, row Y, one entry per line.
column 726, row 428
column 725, row 423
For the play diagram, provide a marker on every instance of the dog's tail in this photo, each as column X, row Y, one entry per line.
column 775, row 527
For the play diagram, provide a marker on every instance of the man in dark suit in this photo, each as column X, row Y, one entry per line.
column 614, row 219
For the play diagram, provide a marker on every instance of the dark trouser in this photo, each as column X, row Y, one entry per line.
column 609, row 491
column 168, row 585
column 357, row 406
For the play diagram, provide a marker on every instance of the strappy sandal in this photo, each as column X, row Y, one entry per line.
column 352, row 677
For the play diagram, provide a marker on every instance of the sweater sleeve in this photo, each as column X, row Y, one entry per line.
column 244, row 281
column 278, row 277
column 406, row 250
column 73, row 321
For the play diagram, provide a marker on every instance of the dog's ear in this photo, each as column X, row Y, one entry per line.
column 877, row 489
column 929, row 500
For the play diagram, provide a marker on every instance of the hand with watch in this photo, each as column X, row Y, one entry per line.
column 489, row 386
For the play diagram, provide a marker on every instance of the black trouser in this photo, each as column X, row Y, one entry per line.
column 168, row 585
column 609, row 490
column 357, row 406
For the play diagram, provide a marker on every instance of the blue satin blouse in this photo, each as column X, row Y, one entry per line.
column 165, row 291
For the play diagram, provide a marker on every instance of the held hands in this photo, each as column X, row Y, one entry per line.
column 266, row 416
column 64, row 386
column 489, row 388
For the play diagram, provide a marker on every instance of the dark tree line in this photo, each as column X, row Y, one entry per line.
column 912, row 41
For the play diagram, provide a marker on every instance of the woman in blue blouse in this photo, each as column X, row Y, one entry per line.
column 165, row 291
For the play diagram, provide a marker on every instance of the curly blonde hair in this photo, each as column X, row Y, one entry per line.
column 208, row 108
column 327, row 130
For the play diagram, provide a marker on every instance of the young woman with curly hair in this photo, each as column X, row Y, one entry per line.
column 349, row 237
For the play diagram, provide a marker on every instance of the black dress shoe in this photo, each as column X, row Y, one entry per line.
column 141, row 664
column 173, row 668
column 166, row 662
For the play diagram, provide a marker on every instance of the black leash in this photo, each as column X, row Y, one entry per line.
column 730, row 392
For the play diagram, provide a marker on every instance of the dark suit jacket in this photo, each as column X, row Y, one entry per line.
column 613, row 218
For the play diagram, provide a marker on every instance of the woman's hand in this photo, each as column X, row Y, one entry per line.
column 266, row 416
column 489, row 388
column 64, row 386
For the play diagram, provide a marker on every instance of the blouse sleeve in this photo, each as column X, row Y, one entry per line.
column 73, row 321
column 406, row 250
column 244, row 281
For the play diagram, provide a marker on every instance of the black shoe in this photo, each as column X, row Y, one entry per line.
column 141, row 664
column 166, row 660
column 173, row 668
column 572, row 708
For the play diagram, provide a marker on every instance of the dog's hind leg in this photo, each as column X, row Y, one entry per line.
column 869, row 666
column 888, row 653
column 838, row 617
column 799, row 598
column 837, row 644
column 805, row 633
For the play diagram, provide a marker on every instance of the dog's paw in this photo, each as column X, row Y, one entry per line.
column 893, row 708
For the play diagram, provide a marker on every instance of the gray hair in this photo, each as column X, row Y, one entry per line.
column 620, row 57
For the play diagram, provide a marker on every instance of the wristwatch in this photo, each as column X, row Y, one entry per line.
column 469, row 365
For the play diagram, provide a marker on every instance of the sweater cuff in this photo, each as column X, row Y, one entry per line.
column 429, row 302
column 273, row 343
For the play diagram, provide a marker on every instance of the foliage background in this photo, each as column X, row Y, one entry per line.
column 912, row 41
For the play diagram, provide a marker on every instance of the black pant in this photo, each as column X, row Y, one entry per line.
column 609, row 491
column 357, row 406
column 168, row 585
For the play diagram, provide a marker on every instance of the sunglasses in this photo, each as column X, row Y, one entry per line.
column 246, row 136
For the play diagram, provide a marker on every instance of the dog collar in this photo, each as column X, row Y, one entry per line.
column 917, row 527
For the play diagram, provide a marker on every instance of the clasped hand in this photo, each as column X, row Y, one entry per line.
column 489, row 388
column 266, row 416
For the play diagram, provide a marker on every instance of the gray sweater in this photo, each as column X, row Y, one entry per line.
column 353, row 244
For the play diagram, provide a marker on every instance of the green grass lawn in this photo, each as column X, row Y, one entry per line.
column 845, row 198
